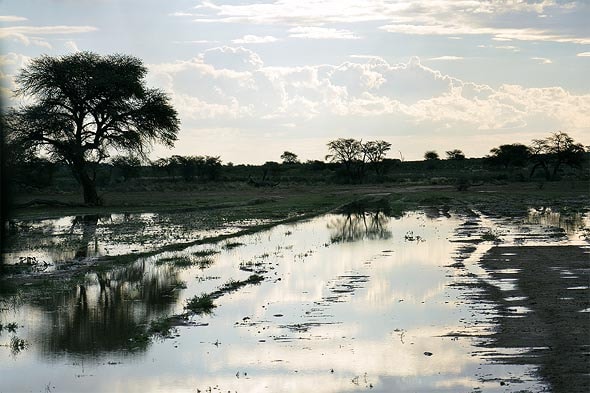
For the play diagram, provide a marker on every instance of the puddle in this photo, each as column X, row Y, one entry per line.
column 348, row 303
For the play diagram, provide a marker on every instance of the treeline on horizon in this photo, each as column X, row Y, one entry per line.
column 349, row 161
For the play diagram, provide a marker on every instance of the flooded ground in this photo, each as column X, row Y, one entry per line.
column 349, row 302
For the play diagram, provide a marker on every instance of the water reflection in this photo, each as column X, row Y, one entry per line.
column 547, row 217
column 107, row 310
column 353, row 227
column 333, row 309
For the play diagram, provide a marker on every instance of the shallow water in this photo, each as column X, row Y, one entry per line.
column 348, row 303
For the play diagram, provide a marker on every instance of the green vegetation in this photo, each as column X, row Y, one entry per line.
column 200, row 304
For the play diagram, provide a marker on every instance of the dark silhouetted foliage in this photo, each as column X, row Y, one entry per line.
column 86, row 105
column 455, row 155
column 289, row 158
column 551, row 153
column 431, row 155
column 515, row 155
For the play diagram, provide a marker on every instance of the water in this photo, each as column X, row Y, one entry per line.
column 349, row 303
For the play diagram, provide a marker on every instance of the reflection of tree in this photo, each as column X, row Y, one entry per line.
column 361, row 225
column 108, row 310
column 545, row 216
column 88, row 225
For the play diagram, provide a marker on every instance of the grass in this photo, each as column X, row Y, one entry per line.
column 200, row 304
column 10, row 327
column 232, row 245
column 205, row 253
column 182, row 261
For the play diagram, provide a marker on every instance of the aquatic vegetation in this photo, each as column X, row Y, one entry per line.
column 491, row 236
column 17, row 345
column 205, row 253
column 200, row 304
column 182, row 261
column 162, row 327
column 232, row 245
column 11, row 327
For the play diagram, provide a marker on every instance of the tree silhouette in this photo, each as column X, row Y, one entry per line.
column 375, row 152
column 514, row 155
column 84, row 106
column 553, row 152
column 346, row 151
column 455, row 155
column 431, row 155
column 289, row 158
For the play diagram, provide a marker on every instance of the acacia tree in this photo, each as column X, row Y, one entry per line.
column 86, row 105
column 289, row 158
column 346, row 151
column 514, row 155
column 553, row 152
column 375, row 152
column 455, row 154
column 431, row 155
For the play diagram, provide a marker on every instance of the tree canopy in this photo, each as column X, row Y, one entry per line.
column 455, row 154
column 431, row 155
column 553, row 152
column 514, row 155
column 86, row 105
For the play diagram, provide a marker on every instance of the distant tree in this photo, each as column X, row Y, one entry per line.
column 211, row 168
column 431, row 155
column 128, row 166
column 269, row 170
column 348, row 152
column 514, row 155
column 84, row 106
column 289, row 158
column 553, row 152
column 375, row 152
column 455, row 155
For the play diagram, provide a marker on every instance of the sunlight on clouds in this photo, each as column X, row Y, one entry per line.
column 447, row 58
column 452, row 18
column 321, row 33
column 12, row 18
column 233, row 83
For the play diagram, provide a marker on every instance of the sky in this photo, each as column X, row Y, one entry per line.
column 254, row 78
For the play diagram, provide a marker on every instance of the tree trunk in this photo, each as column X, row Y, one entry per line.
column 89, row 190
column 88, row 184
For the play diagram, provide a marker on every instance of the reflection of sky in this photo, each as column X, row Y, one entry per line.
column 367, row 309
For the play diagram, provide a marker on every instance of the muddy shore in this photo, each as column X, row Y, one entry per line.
column 545, row 315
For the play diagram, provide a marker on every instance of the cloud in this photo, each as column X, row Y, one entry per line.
column 254, row 39
column 195, row 42
column 508, row 47
column 45, row 30
column 583, row 54
column 231, row 87
column 447, row 58
column 28, row 35
column 12, row 18
column 321, row 33
column 71, row 46
column 232, row 58
column 542, row 60
column 505, row 21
